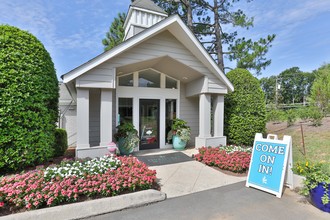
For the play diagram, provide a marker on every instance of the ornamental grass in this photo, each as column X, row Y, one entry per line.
column 234, row 159
column 36, row 189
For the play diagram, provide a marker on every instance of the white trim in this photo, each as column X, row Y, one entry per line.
column 161, row 94
column 172, row 23
column 130, row 11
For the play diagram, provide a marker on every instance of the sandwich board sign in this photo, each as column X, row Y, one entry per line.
column 269, row 164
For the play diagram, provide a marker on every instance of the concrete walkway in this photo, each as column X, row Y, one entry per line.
column 182, row 178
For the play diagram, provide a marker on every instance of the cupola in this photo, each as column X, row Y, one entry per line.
column 141, row 15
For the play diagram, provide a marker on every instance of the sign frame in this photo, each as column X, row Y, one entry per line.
column 284, row 164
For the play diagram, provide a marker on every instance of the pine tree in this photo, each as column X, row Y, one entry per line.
column 207, row 18
column 116, row 32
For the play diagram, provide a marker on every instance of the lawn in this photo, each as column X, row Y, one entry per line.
column 316, row 139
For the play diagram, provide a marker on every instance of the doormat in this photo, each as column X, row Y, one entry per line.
column 164, row 159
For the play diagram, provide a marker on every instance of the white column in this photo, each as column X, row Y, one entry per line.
column 204, row 115
column 82, row 118
column 218, row 115
column 106, row 117
column 162, row 125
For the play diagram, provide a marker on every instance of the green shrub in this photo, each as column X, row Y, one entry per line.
column 291, row 115
column 28, row 100
column 316, row 116
column 61, row 142
column 304, row 113
column 245, row 108
column 275, row 115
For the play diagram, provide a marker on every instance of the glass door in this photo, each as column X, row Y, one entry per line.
column 149, row 124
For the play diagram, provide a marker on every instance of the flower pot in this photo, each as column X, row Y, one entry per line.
column 316, row 195
column 178, row 144
column 123, row 148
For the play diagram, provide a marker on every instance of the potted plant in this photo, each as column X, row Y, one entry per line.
column 127, row 138
column 316, row 184
column 179, row 134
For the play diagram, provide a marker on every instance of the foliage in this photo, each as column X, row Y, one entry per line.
column 28, row 100
column 316, row 115
column 251, row 54
column 245, row 108
column 82, row 169
column 314, row 174
column 126, row 137
column 275, row 115
column 268, row 85
column 31, row 190
column 233, row 160
column 293, row 86
column 124, row 129
column 291, row 116
column 232, row 148
column 320, row 92
column 61, row 142
column 180, row 128
column 209, row 20
column 116, row 32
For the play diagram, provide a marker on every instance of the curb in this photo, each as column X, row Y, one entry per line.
column 92, row 207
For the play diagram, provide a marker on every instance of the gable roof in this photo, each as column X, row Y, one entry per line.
column 147, row 4
column 176, row 26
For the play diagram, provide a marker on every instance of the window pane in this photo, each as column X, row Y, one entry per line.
column 170, row 115
column 126, row 80
column 125, row 110
column 171, row 83
column 149, row 78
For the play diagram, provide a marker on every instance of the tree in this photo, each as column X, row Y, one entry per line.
column 207, row 20
column 245, row 109
column 294, row 86
column 28, row 100
column 320, row 91
column 116, row 32
column 268, row 85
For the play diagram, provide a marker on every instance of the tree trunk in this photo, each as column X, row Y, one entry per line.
column 217, row 30
column 187, row 4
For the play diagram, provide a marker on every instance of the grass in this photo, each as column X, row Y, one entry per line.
column 317, row 140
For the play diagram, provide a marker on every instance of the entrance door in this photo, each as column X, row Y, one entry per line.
column 149, row 124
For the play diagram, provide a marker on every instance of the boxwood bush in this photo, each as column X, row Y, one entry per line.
column 245, row 108
column 61, row 142
column 28, row 100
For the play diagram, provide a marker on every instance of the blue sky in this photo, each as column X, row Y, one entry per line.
column 72, row 30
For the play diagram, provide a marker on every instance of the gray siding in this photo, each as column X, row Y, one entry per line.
column 189, row 111
column 164, row 44
column 94, row 117
column 97, row 78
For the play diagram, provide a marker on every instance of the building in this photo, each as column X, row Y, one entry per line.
column 159, row 72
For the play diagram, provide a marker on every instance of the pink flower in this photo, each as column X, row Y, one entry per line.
column 2, row 204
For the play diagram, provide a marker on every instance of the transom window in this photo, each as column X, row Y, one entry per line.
column 148, row 78
column 126, row 80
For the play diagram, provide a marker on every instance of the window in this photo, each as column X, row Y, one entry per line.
column 171, row 83
column 170, row 115
column 126, row 80
column 149, row 78
column 125, row 111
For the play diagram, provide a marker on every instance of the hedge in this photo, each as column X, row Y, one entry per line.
column 28, row 100
column 245, row 108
